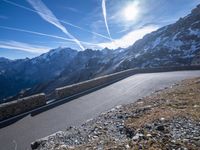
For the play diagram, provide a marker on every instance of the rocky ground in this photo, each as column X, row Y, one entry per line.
column 168, row 119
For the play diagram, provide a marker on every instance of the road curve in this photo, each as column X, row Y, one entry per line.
column 20, row 134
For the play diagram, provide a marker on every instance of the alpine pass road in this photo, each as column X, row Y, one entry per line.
column 20, row 134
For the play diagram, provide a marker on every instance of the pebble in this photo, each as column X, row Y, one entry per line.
column 162, row 119
column 160, row 128
column 127, row 146
column 112, row 125
column 149, row 135
column 137, row 136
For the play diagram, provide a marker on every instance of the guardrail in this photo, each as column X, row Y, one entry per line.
column 26, row 104
column 19, row 106
column 83, row 86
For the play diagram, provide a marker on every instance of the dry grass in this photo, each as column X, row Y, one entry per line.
column 151, row 116
column 182, row 100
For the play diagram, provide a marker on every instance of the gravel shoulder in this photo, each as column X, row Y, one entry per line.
column 168, row 119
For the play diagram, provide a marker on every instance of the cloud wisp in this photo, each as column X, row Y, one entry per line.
column 62, row 21
column 72, row 9
column 36, row 33
column 48, row 16
column 105, row 17
column 129, row 38
column 3, row 17
column 44, row 34
column 24, row 47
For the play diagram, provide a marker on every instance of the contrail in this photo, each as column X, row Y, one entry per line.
column 23, row 46
column 48, row 16
column 62, row 21
column 44, row 34
column 36, row 33
column 105, row 17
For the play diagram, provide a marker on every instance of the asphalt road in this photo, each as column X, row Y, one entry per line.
column 20, row 134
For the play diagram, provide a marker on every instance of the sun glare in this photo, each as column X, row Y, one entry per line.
column 131, row 12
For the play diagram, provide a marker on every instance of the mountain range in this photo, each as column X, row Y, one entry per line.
column 177, row 44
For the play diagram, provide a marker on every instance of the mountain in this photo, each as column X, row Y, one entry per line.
column 22, row 74
column 173, row 45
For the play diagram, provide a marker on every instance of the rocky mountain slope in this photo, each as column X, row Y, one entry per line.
column 16, row 75
column 173, row 45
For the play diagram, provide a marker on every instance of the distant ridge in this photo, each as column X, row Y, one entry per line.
column 177, row 44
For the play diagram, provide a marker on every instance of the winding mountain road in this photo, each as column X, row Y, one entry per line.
column 20, row 134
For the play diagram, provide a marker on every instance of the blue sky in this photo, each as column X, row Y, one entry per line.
column 31, row 27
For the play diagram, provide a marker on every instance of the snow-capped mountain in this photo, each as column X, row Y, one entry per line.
column 16, row 75
column 173, row 45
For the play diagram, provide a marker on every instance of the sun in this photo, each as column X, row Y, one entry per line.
column 131, row 12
